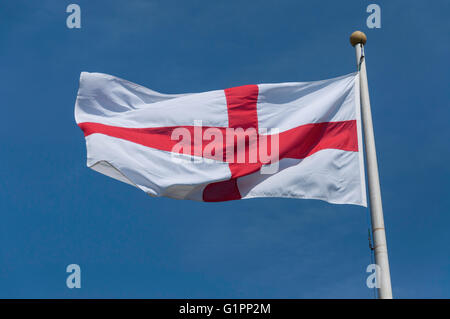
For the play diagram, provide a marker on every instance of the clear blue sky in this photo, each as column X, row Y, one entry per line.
column 54, row 211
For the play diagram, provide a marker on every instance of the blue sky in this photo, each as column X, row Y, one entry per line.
column 54, row 211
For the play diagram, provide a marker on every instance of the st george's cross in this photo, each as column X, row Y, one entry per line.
column 132, row 134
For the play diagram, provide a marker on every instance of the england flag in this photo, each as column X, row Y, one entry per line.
column 292, row 140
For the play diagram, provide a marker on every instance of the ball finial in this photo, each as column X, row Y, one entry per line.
column 358, row 37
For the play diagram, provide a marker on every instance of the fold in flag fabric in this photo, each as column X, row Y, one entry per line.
column 292, row 140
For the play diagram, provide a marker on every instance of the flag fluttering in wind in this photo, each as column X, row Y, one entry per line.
column 294, row 140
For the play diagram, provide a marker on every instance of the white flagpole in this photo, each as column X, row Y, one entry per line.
column 358, row 40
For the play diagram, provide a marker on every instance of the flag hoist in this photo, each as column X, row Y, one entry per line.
column 358, row 40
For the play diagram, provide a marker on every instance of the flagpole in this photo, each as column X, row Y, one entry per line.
column 358, row 40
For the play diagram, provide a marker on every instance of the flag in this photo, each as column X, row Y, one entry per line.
column 291, row 140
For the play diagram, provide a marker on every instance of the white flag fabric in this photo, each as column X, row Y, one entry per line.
column 292, row 140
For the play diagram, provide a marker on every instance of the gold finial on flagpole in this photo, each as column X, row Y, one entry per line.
column 358, row 37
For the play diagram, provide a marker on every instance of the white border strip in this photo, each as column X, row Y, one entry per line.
column 360, row 141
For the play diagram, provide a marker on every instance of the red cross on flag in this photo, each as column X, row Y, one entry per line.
column 293, row 140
